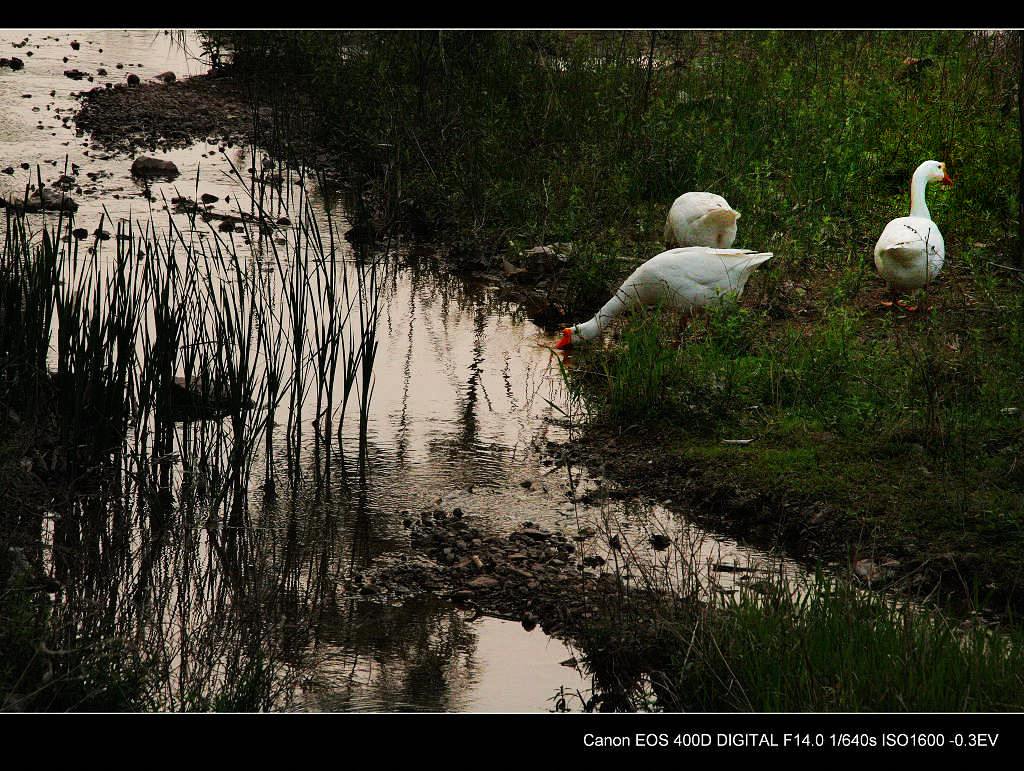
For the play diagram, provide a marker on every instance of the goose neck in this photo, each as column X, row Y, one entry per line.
column 918, row 186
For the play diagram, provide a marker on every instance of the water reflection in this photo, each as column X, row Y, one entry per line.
column 232, row 595
column 429, row 656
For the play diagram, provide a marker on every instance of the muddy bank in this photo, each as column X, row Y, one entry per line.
column 874, row 540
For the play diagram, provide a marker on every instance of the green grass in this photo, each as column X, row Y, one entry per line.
column 901, row 434
column 800, row 644
column 505, row 140
column 494, row 142
column 491, row 142
column 836, row 649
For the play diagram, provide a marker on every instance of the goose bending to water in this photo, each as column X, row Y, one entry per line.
column 700, row 219
column 910, row 251
column 687, row 278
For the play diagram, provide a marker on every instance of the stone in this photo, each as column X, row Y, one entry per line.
column 483, row 582
column 660, row 542
column 145, row 166
column 46, row 200
column 544, row 259
column 867, row 570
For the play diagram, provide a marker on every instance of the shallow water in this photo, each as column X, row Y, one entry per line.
column 467, row 395
column 429, row 656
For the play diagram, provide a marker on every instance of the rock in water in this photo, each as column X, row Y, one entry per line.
column 46, row 200
column 660, row 542
column 132, row 79
column 867, row 570
column 144, row 166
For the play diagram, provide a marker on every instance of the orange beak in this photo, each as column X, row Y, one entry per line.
column 947, row 180
column 566, row 341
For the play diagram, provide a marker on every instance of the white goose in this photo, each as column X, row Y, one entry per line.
column 687, row 278
column 910, row 251
column 700, row 219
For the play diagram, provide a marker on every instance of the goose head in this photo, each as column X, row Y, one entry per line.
column 929, row 171
column 582, row 333
column 934, row 171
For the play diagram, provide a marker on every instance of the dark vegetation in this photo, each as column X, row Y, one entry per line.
column 139, row 384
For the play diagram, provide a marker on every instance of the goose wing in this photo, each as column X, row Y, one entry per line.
column 907, row 239
column 698, row 268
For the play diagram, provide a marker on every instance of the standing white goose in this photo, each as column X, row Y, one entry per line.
column 687, row 278
column 910, row 251
column 700, row 219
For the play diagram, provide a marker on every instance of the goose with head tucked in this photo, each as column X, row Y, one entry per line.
column 910, row 252
column 687, row 278
column 700, row 219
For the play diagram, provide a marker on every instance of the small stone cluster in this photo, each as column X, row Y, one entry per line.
column 531, row 574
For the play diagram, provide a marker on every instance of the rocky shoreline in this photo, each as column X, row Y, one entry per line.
column 532, row 575
column 167, row 114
